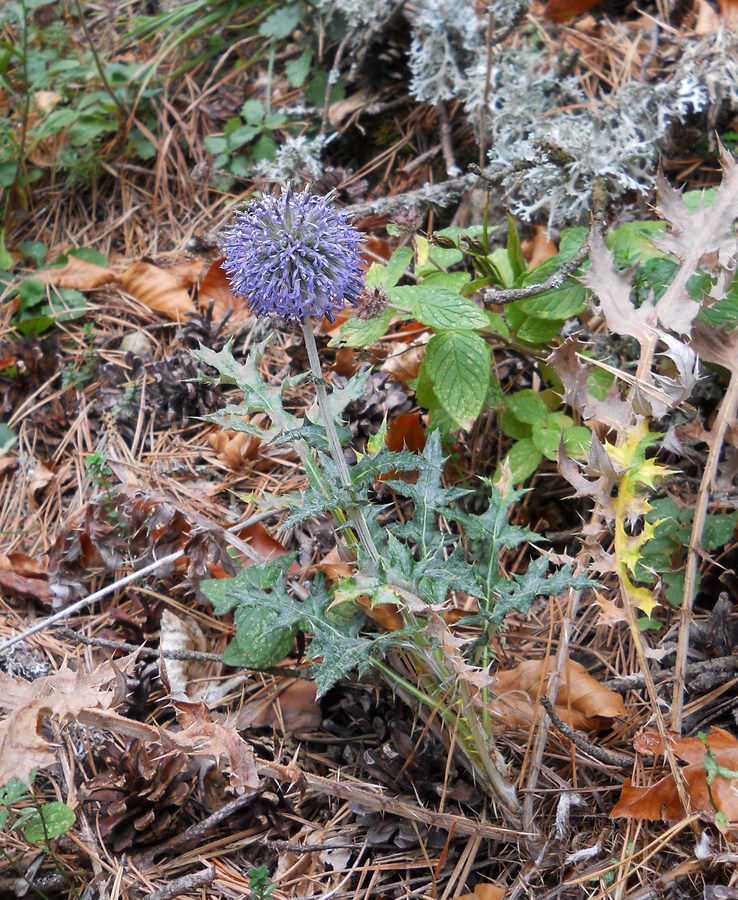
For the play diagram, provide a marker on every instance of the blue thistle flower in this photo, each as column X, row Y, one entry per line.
column 293, row 256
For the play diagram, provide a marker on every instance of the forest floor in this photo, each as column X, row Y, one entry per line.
column 189, row 778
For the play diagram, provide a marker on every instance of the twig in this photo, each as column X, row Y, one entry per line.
column 717, row 436
column 452, row 169
column 555, row 280
column 377, row 802
column 559, row 277
column 621, row 760
column 440, row 194
column 186, row 883
column 195, row 833
column 184, row 655
column 121, row 582
column 727, row 664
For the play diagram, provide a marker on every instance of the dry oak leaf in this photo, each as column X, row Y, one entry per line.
column 216, row 289
column 661, row 800
column 581, row 701
column 61, row 697
column 158, row 289
column 221, row 743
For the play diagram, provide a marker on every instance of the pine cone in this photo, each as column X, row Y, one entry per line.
column 141, row 796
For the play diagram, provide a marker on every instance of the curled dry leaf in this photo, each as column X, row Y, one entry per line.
column 184, row 676
column 661, row 800
column 581, row 701
column 26, row 578
column 221, row 743
column 78, row 274
column 60, row 698
column 235, row 448
column 158, row 289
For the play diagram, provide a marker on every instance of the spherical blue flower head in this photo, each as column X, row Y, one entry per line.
column 293, row 256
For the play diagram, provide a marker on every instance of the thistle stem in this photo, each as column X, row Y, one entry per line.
column 334, row 444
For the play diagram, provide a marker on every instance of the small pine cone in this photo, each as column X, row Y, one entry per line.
column 141, row 796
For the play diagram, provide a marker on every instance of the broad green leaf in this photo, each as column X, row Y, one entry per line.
column 562, row 303
column 577, row 440
column 450, row 281
column 718, row 531
column 527, row 406
column 529, row 329
column 50, row 821
column 396, row 266
column 243, row 135
column 524, row 458
column 297, row 70
column 547, row 437
column 458, row 364
column 497, row 324
column 443, row 310
column 356, row 332
column 253, row 112
column 259, row 643
column 631, row 242
column 282, row 22
column 513, row 427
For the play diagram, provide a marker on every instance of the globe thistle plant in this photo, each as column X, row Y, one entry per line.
column 293, row 256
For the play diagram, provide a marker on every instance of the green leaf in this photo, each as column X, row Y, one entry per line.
column 443, row 310
column 458, row 282
column 215, row 144
column 34, row 250
column 297, row 70
column 50, row 821
column 242, row 136
column 8, row 438
column 397, row 266
column 524, row 458
column 515, row 256
column 282, row 22
column 458, row 364
column 718, row 531
column 529, row 329
column 577, row 440
column 547, row 438
column 497, row 324
column 265, row 149
column 518, row 594
column 527, row 406
column 513, row 427
column 631, row 242
column 258, row 396
column 559, row 304
column 356, row 332
column 259, row 642
column 253, row 112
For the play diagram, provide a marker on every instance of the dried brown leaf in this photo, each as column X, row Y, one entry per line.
column 613, row 412
column 612, row 288
column 77, row 274
column 158, row 289
column 221, row 743
column 581, row 701
column 691, row 237
column 661, row 800
column 184, row 676
column 62, row 698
